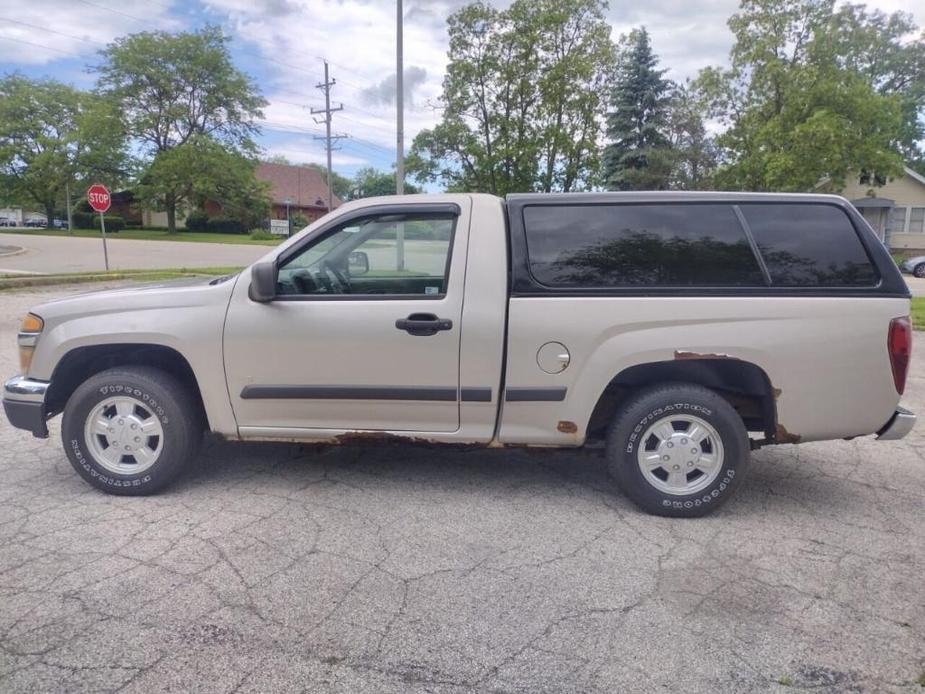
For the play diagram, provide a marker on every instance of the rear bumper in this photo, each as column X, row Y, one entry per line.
column 900, row 424
column 24, row 404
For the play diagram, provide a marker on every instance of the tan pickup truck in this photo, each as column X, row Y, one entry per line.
column 682, row 329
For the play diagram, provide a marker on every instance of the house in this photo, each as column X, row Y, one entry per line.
column 895, row 209
column 300, row 188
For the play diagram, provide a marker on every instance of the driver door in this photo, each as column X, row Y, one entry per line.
column 364, row 332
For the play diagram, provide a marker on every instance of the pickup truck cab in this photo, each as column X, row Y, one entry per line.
column 680, row 329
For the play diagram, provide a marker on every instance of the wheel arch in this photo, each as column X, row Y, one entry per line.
column 745, row 385
column 80, row 363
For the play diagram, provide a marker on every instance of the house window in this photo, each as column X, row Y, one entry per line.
column 917, row 220
column 868, row 179
column 897, row 223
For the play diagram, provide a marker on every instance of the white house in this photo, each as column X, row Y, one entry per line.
column 895, row 209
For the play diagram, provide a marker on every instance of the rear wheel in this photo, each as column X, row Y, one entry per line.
column 919, row 270
column 678, row 450
column 131, row 430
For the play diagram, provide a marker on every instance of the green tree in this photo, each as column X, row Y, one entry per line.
column 173, row 88
column 798, row 102
column 341, row 184
column 637, row 157
column 203, row 170
column 522, row 99
column 369, row 182
column 52, row 134
column 692, row 152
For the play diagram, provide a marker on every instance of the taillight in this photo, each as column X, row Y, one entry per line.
column 899, row 344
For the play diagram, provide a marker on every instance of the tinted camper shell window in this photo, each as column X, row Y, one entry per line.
column 694, row 244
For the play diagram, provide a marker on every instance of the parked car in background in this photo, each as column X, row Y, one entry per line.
column 914, row 266
column 36, row 223
column 59, row 223
column 681, row 330
column 7, row 222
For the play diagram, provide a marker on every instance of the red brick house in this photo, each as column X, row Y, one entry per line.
column 304, row 187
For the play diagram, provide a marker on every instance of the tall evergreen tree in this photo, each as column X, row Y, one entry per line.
column 636, row 158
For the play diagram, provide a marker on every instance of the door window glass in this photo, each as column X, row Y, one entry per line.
column 401, row 255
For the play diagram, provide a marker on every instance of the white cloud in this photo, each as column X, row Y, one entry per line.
column 358, row 40
column 357, row 37
column 304, row 150
column 36, row 33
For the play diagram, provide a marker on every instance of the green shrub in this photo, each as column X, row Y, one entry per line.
column 197, row 220
column 261, row 235
column 84, row 220
column 132, row 224
column 114, row 223
column 225, row 225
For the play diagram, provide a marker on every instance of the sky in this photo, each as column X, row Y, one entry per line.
column 281, row 44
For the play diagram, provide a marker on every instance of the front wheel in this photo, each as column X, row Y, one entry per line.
column 131, row 430
column 919, row 270
column 678, row 450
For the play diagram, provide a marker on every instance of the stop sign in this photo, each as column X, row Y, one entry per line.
column 98, row 197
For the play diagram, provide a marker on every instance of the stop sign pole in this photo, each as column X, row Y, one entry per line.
column 100, row 200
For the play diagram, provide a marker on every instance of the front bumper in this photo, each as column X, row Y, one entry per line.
column 900, row 424
column 24, row 404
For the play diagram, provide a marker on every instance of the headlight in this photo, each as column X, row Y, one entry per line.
column 29, row 332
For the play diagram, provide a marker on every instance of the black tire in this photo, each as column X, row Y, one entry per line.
column 170, row 400
column 919, row 270
column 647, row 407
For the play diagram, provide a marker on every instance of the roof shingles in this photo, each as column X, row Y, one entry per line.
column 303, row 186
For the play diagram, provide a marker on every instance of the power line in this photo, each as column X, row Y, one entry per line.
column 51, row 31
column 39, row 45
column 118, row 12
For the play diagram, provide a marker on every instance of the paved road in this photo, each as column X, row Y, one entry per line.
column 399, row 569
column 63, row 254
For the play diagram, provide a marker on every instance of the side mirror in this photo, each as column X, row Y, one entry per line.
column 357, row 263
column 263, row 282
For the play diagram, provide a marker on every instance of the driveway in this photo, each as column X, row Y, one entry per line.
column 276, row 568
column 46, row 254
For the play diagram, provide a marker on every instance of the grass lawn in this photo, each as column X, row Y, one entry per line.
column 148, row 235
column 19, row 281
column 918, row 312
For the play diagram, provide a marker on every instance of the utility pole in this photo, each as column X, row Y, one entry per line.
column 399, row 105
column 328, row 138
column 399, row 132
column 67, row 201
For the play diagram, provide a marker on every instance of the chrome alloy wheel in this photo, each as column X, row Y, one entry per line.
column 680, row 454
column 123, row 435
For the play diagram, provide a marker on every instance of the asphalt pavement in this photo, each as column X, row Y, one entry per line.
column 50, row 254
column 393, row 568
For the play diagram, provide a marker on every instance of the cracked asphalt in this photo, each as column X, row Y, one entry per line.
column 277, row 568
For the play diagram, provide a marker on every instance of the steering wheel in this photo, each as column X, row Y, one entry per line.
column 339, row 278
